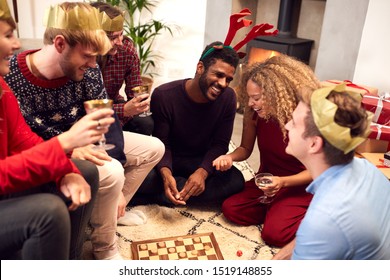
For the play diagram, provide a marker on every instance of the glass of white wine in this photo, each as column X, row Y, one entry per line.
column 263, row 180
column 138, row 91
column 96, row 104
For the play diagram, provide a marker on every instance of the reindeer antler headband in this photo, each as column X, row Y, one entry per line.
column 236, row 23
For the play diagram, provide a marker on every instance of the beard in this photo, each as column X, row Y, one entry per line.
column 69, row 69
column 204, row 86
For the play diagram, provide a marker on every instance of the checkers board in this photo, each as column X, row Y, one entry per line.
column 202, row 246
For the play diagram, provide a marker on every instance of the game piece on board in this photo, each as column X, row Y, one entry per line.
column 154, row 251
column 207, row 247
column 182, row 254
column 196, row 239
column 171, row 250
column 194, row 252
column 161, row 244
column 180, row 239
column 239, row 253
column 144, row 247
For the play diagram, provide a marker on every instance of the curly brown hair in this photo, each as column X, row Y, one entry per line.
column 280, row 77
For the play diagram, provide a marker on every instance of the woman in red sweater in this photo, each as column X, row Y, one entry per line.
column 270, row 91
column 38, row 224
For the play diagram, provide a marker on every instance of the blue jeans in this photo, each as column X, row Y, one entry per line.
column 78, row 219
column 37, row 226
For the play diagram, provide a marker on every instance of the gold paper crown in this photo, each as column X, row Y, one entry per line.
column 75, row 19
column 4, row 10
column 112, row 24
column 324, row 111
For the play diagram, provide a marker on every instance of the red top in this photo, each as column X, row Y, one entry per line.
column 24, row 163
column 272, row 147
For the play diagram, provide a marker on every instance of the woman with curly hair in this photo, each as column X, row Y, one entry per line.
column 270, row 93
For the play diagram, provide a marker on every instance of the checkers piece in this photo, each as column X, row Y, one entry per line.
column 201, row 246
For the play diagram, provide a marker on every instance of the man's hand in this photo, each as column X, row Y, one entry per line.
column 137, row 105
column 97, row 156
column 74, row 187
column 87, row 130
column 195, row 184
column 170, row 187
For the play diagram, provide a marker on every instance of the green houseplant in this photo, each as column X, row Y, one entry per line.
column 142, row 29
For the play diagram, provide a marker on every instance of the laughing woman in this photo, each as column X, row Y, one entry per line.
column 270, row 90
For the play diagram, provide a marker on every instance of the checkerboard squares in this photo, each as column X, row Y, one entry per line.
column 189, row 247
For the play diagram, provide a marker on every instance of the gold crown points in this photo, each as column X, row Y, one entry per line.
column 4, row 10
column 323, row 111
column 75, row 19
column 112, row 24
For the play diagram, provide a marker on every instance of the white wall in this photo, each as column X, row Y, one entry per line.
column 373, row 61
column 354, row 43
column 340, row 38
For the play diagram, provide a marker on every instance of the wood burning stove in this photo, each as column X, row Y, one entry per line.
column 286, row 41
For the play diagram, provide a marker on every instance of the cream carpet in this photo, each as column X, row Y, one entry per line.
column 174, row 221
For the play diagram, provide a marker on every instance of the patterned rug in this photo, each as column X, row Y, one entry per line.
column 182, row 220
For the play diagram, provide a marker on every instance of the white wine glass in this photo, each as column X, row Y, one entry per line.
column 263, row 180
column 143, row 89
column 96, row 104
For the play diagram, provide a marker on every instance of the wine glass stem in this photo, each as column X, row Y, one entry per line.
column 102, row 142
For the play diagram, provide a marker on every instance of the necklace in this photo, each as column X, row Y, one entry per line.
column 34, row 69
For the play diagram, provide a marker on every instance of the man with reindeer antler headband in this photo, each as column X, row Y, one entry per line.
column 194, row 119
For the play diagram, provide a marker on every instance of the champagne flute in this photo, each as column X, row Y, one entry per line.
column 138, row 91
column 96, row 104
column 263, row 180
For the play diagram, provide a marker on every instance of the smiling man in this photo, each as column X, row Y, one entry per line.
column 349, row 216
column 194, row 119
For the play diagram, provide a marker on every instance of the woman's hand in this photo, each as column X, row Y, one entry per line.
column 223, row 163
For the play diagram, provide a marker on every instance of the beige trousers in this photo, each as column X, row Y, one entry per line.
column 142, row 154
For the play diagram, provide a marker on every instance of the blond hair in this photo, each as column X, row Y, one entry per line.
column 94, row 39
column 280, row 77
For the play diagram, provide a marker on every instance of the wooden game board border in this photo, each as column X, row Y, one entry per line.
column 134, row 244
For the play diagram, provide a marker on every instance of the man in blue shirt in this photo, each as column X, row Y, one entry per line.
column 349, row 216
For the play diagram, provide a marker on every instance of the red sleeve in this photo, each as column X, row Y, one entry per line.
column 18, row 133
column 41, row 164
column 25, row 160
